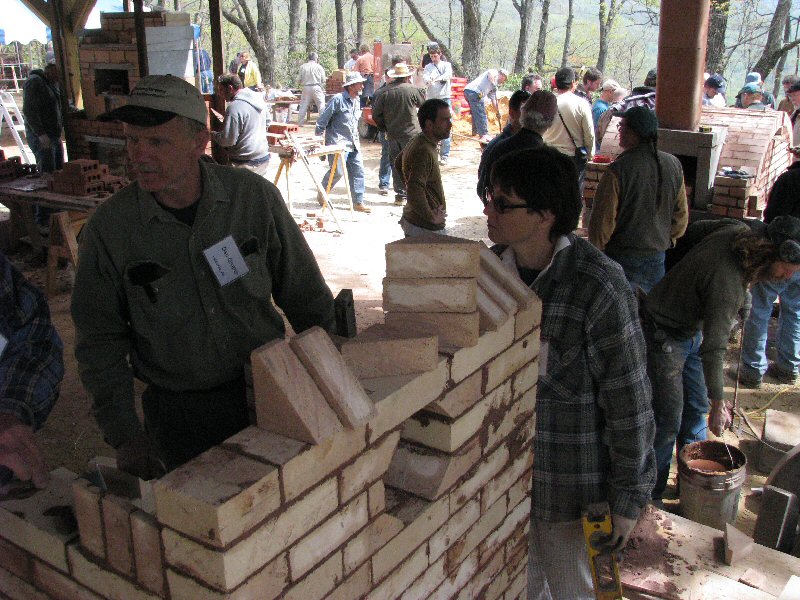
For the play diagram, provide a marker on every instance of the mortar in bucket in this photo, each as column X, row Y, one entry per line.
column 711, row 476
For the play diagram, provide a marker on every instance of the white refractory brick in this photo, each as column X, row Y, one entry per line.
column 500, row 484
column 402, row 576
column 426, row 583
column 377, row 499
column 117, row 530
column 497, row 292
column 492, row 315
column 355, row 586
column 106, row 583
column 217, row 496
column 487, row 469
column 329, row 371
column 528, row 318
column 513, row 359
column 492, row 264
column 432, row 255
column 147, row 553
column 86, row 498
column 287, row 399
column 226, row 570
column 397, row 398
column 267, row 584
column 488, row 522
column 59, row 586
column 515, row 520
column 369, row 541
column 443, row 433
column 328, row 536
column 382, row 350
column 368, row 467
column 319, row 582
column 460, row 398
column 453, row 329
column 43, row 523
column 447, row 295
column 468, row 360
column 301, row 465
column 520, row 414
column 15, row 588
column 458, row 579
column 429, row 473
column 454, row 528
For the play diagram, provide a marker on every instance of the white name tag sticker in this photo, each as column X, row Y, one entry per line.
column 3, row 344
column 226, row 261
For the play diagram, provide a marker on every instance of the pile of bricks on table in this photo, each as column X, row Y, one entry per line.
column 83, row 177
column 278, row 131
column 398, row 467
column 13, row 167
column 734, row 197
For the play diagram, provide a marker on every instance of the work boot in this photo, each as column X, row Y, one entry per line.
column 783, row 377
column 362, row 208
column 383, row 191
column 443, row 160
column 399, row 200
column 749, row 377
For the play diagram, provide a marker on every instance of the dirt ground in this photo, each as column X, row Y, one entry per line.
column 352, row 258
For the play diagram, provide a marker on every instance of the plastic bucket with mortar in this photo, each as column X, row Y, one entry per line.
column 711, row 477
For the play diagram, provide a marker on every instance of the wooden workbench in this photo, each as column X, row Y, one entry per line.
column 677, row 558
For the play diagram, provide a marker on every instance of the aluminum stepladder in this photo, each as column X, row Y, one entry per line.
column 10, row 111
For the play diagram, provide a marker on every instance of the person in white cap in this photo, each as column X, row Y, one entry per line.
column 395, row 112
column 483, row 86
column 339, row 122
column 175, row 285
column 438, row 75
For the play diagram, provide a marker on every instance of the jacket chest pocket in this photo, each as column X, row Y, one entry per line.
column 156, row 299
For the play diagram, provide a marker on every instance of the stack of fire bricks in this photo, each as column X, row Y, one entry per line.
column 83, row 177
column 13, row 167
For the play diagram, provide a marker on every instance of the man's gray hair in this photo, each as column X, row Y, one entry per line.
column 533, row 120
column 312, row 56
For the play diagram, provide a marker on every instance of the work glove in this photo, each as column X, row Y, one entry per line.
column 621, row 528
column 138, row 457
column 44, row 141
column 720, row 417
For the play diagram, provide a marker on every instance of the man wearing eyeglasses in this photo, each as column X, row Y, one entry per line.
column 594, row 419
column 425, row 210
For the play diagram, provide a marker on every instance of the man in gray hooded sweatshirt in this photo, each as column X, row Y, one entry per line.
column 244, row 131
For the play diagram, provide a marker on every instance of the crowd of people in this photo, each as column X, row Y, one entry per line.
column 199, row 255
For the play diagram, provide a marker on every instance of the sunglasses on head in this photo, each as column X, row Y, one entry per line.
column 498, row 202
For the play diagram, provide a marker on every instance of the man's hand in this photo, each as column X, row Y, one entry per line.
column 138, row 457
column 720, row 417
column 620, row 532
column 44, row 141
column 439, row 216
column 20, row 452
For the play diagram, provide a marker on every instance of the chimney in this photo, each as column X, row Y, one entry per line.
column 682, row 33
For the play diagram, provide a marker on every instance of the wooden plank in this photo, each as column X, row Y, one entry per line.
column 669, row 554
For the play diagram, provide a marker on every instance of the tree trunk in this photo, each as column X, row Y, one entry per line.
column 312, row 26
column 471, row 37
column 525, row 10
column 542, row 41
column 607, row 17
column 393, row 21
column 259, row 33
column 359, row 4
column 567, row 35
column 341, row 47
column 787, row 34
column 294, row 24
column 775, row 48
column 457, row 68
column 717, row 28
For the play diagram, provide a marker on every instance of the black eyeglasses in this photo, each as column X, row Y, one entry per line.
column 498, row 202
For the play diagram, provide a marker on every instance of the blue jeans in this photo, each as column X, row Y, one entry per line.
column 788, row 336
column 480, row 122
column 355, row 174
column 680, row 396
column 395, row 148
column 444, row 145
column 385, row 168
column 48, row 160
column 641, row 271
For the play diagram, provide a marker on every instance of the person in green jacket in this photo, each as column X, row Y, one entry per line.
column 176, row 282
column 687, row 318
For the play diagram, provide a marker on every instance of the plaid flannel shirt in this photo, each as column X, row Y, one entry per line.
column 31, row 364
column 594, row 417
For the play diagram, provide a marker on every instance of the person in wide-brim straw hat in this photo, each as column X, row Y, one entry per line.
column 352, row 77
column 399, row 71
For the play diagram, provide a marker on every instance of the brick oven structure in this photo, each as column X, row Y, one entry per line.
column 418, row 487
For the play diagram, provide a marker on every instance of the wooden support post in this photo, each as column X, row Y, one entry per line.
column 141, row 39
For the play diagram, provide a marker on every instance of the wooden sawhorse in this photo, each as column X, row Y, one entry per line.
column 336, row 151
column 64, row 229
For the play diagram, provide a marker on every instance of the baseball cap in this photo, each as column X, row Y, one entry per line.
column 433, row 47
column 642, row 120
column 353, row 77
column 753, row 77
column 750, row 88
column 716, row 81
column 609, row 85
column 545, row 103
column 795, row 87
column 158, row 98
column 784, row 232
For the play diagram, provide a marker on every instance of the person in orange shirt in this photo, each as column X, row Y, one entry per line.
column 365, row 64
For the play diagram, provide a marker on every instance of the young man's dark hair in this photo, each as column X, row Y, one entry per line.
column 548, row 181
column 565, row 77
column 592, row 74
column 517, row 99
column 230, row 79
column 529, row 79
column 429, row 110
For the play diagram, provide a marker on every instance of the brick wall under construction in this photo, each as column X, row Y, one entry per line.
column 396, row 467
